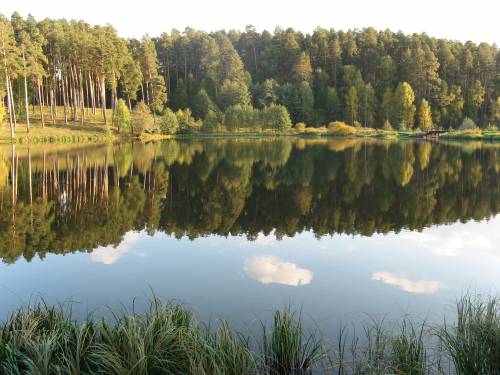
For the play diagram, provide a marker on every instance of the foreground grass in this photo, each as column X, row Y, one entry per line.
column 168, row 340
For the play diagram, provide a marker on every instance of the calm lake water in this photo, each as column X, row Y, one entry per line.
column 237, row 228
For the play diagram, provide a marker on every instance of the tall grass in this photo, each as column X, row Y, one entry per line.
column 380, row 350
column 473, row 340
column 287, row 349
column 167, row 339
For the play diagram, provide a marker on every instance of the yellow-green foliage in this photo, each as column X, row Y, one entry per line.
column 300, row 126
column 142, row 120
column 3, row 114
column 122, row 115
column 387, row 126
column 317, row 131
column 341, row 128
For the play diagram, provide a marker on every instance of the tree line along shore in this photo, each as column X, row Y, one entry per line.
column 80, row 78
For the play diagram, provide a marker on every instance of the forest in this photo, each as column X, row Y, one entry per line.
column 61, row 201
column 55, row 70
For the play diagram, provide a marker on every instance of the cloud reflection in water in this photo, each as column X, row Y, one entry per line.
column 272, row 270
column 407, row 285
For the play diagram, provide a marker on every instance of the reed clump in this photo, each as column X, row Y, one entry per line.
column 167, row 339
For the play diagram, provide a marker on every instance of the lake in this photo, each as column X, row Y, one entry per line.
column 234, row 228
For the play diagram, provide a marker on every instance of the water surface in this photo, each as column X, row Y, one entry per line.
column 236, row 228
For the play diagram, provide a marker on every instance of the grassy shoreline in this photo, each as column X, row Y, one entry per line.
column 98, row 133
column 167, row 339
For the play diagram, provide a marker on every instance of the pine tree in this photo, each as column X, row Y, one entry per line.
column 10, row 65
column 30, row 44
column 302, row 69
column 368, row 105
column 333, row 105
column 305, row 103
column 149, row 66
column 131, row 80
column 352, row 105
column 233, row 93
column 202, row 104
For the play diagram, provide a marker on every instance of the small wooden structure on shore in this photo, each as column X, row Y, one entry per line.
column 432, row 134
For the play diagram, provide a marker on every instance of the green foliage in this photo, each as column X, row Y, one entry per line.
column 168, row 122
column 453, row 111
column 386, row 106
column 368, row 105
column 142, row 119
column 233, row 93
column 468, row 124
column 180, row 97
column 266, row 93
column 241, row 117
column 288, row 96
column 333, row 104
column 302, row 69
column 276, row 117
column 352, row 105
column 187, row 123
column 131, row 78
column 158, row 94
column 122, row 115
column 213, row 122
column 474, row 98
column 202, row 104
column 495, row 111
column 305, row 104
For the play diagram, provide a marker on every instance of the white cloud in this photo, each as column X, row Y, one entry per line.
column 110, row 254
column 416, row 287
column 270, row 269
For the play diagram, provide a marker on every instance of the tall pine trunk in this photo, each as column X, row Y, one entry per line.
column 26, row 104
column 9, row 107
column 64, row 86
column 12, row 104
column 26, row 96
column 40, row 103
column 82, row 99
column 103, row 99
